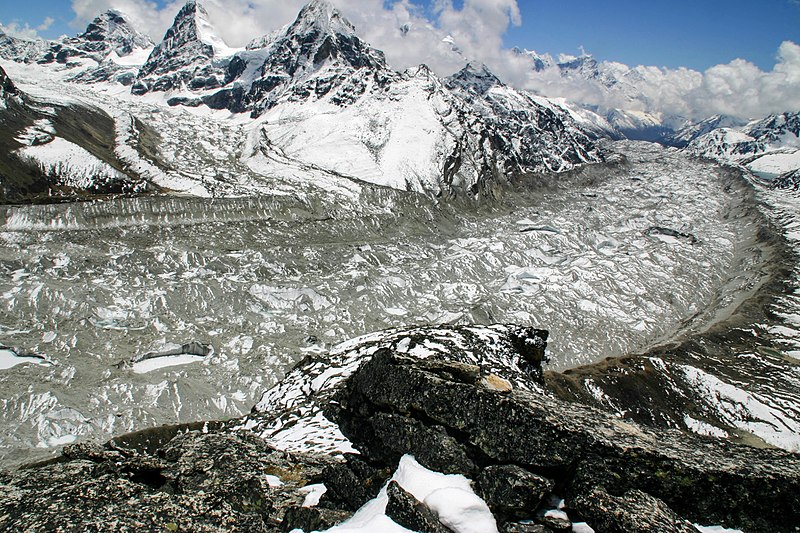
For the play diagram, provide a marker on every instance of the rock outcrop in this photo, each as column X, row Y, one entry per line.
column 517, row 442
column 171, row 479
column 395, row 404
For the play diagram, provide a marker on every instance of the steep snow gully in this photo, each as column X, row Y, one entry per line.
column 145, row 311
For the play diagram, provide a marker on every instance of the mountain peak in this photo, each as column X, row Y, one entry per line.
column 114, row 30
column 186, row 54
column 322, row 16
column 193, row 22
column 475, row 76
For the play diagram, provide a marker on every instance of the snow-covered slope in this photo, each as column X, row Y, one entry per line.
column 770, row 147
column 57, row 148
column 693, row 130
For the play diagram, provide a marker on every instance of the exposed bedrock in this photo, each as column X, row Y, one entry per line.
column 395, row 404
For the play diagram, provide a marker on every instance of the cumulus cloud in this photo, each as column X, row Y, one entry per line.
column 24, row 31
column 410, row 36
column 400, row 29
column 46, row 23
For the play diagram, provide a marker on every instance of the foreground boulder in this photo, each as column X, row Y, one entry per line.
column 162, row 480
column 396, row 404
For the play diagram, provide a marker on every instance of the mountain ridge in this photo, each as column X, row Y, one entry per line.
column 322, row 96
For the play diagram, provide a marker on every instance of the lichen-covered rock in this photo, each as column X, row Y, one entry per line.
column 511, row 490
column 353, row 482
column 434, row 447
column 633, row 512
column 204, row 482
column 580, row 448
column 312, row 518
column 404, row 509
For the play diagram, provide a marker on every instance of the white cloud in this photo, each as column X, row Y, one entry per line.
column 46, row 23
column 477, row 28
column 14, row 29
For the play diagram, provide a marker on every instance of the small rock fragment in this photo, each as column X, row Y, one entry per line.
column 410, row 513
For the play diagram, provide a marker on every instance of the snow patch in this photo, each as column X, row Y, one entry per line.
column 451, row 496
column 72, row 164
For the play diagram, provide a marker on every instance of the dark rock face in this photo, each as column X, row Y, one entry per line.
column 790, row 180
column 184, row 56
column 312, row 518
column 512, row 490
column 519, row 127
column 7, row 87
column 579, row 448
column 410, row 513
column 354, row 482
column 514, row 353
column 633, row 512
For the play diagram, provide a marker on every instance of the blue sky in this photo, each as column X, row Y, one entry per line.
column 696, row 34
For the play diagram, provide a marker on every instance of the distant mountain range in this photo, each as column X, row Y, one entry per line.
column 324, row 97
column 321, row 96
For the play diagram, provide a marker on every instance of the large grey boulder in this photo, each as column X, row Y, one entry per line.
column 581, row 449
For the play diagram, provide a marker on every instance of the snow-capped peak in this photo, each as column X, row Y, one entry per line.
column 539, row 62
column 206, row 32
column 320, row 15
column 187, row 55
column 192, row 23
column 113, row 30
column 475, row 76
column 320, row 36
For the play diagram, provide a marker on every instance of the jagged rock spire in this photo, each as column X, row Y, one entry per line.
column 185, row 54
column 111, row 31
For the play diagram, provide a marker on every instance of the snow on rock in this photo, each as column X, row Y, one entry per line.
column 526, row 131
column 769, row 148
column 191, row 54
column 22, row 50
column 751, row 412
column 290, row 415
column 725, row 143
column 449, row 495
